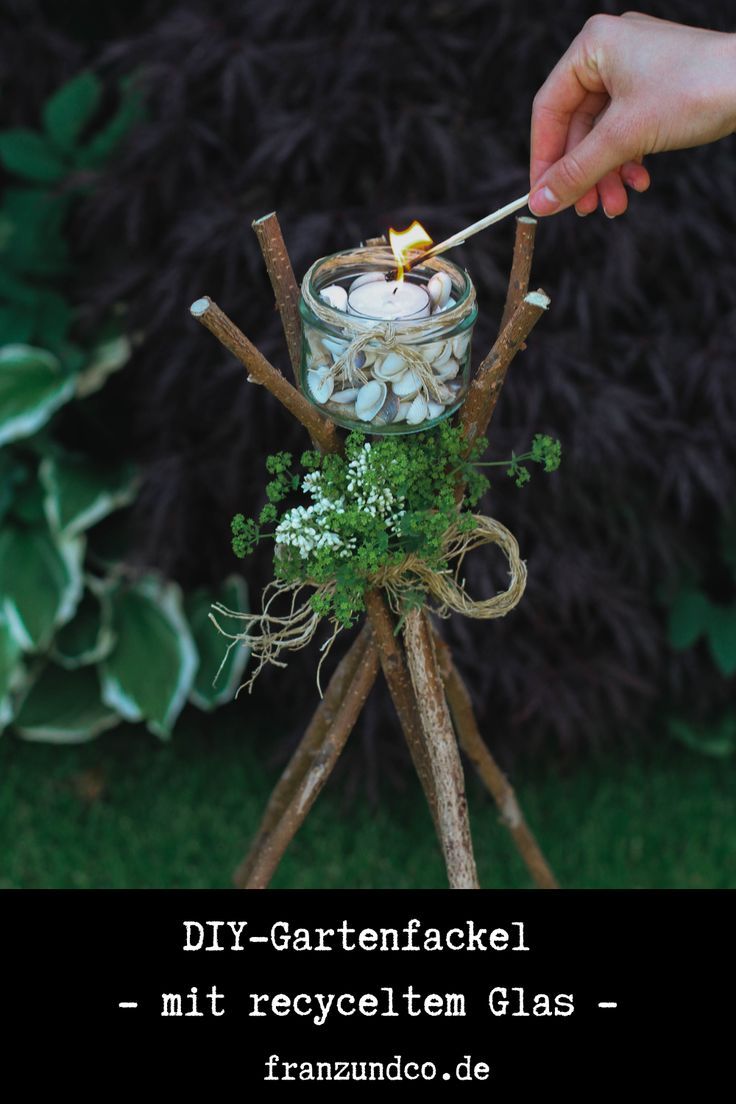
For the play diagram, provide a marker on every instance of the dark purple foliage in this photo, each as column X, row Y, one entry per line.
column 349, row 117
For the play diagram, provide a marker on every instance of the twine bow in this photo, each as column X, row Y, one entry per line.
column 292, row 631
column 385, row 338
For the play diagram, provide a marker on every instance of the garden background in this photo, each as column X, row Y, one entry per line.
column 137, row 145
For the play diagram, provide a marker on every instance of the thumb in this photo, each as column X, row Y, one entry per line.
column 568, row 179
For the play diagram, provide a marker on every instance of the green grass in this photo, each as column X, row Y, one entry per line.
column 129, row 811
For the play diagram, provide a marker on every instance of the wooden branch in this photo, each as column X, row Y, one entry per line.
column 283, row 282
column 307, row 751
column 452, row 809
column 321, row 429
column 521, row 266
column 477, row 410
column 313, row 781
column 396, row 673
column 493, row 778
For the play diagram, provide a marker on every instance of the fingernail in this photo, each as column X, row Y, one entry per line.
column 605, row 212
column 543, row 202
column 580, row 214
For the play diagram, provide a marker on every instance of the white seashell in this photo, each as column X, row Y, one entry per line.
column 444, row 393
column 337, row 348
column 447, row 371
column 439, row 288
column 321, row 384
column 347, row 395
column 389, row 410
column 316, row 347
column 406, row 385
column 417, row 411
column 390, row 368
column 448, row 305
column 371, row 398
column 443, row 356
column 431, row 351
column 434, row 409
column 366, row 278
column 460, row 345
column 335, row 296
column 404, row 408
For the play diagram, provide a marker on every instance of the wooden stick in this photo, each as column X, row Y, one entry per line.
column 321, row 429
column 521, row 267
column 396, row 673
column 307, row 751
column 283, row 282
column 444, row 758
column 493, row 778
column 312, row 783
column 477, row 410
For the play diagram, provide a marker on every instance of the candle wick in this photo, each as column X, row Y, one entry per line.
column 395, row 290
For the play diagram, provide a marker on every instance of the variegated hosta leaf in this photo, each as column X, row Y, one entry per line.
column 149, row 673
column 64, row 707
column 88, row 637
column 11, row 671
column 107, row 357
column 80, row 493
column 40, row 582
column 32, row 386
column 212, row 645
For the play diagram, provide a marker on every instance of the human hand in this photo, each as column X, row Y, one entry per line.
column 627, row 86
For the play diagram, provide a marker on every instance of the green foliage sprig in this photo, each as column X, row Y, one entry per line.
column 382, row 500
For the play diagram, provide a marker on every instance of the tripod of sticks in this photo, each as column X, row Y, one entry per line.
column 431, row 700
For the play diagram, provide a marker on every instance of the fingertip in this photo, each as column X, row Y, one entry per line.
column 587, row 204
column 636, row 177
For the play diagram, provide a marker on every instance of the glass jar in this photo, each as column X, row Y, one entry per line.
column 381, row 374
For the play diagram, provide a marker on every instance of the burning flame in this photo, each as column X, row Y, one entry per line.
column 404, row 241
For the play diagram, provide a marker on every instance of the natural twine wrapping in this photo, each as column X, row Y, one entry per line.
column 293, row 631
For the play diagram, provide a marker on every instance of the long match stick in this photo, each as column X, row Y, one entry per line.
column 463, row 235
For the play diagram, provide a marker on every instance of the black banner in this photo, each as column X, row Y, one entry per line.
column 571, row 990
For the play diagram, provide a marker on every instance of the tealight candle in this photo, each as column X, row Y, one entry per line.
column 393, row 299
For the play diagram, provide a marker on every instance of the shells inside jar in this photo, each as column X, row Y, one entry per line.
column 400, row 370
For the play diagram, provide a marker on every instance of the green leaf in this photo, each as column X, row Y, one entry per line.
column 717, row 743
column 722, row 638
column 12, row 473
column 36, row 243
column 64, row 707
column 40, row 582
column 70, row 108
column 688, row 616
column 53, row 318
column 220, row 668
column 149, row 673
column 31, row 156
column 130, row 111
column 32, row 386
column 16, row 324
column 11, row 672
column 107, row 357
column 88, row 637
column 80, row 493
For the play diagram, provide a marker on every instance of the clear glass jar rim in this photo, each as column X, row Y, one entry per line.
column 460, row 313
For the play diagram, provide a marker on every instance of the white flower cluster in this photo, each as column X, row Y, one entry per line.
column 305, row 527
column 378, row 503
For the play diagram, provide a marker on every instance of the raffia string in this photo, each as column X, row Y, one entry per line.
column 269, row 634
